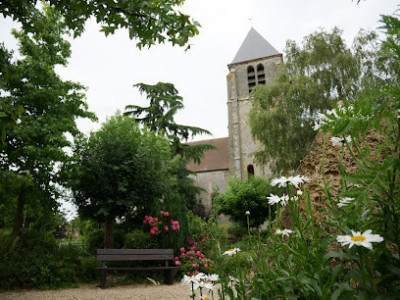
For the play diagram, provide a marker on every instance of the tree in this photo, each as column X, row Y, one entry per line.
column 120, row 170
column 148, row 21
column 34, row 148
column 159, row 117
column 314, row 77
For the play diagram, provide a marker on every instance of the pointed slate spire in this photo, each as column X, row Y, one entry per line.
column 253, row 47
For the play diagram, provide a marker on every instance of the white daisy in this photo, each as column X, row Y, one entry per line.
column 296, row 180
column 274, row 199
column 231, row 252
column 299, row 192
column 187, row 280
column 305, row 178
column 284, row 181
column 286, row 232
column 359, row 239
column 213, row 277
column 202, row 284
column 281, row 182
column 344, row 201
column 340, row 141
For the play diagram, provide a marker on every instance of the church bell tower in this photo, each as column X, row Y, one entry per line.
column 256, row 62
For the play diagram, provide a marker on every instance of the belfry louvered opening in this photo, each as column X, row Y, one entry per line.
column 260, row 74
column 251, row 77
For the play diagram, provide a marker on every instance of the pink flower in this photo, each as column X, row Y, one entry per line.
column 177, row 263
column 182, row 249
column 166, row 214
column 162, row 212
column 175, row 225
column 156, row 219
column 150, row 221
column 166, row 228
column 198, row 253
column 176, row 258
column 183, row 254
column 154, row 230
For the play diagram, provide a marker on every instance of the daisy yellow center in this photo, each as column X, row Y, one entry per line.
column 358, row 238
column 231, row 250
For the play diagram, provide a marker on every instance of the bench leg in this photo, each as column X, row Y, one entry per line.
column 103, row 276
column 103, row 279
column 169, row 277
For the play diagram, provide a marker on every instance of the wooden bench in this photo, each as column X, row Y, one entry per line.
column 109, row 255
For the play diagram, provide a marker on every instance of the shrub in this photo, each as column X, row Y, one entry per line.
column 138, row 239
column 245, row 196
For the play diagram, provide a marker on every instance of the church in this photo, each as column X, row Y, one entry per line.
column 256, row 62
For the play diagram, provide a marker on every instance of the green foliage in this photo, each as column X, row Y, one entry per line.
column 329, row 257
column 200, row 228
column 148, row 21
column 139, row 239
column 314, row 77
column 159, row 117
column 94, row 239
column 34, row 260
column 118, row 168
column 50, row 105
column 245, row 196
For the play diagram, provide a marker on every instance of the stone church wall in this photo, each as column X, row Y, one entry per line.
column 241, row 142
column 209, row 181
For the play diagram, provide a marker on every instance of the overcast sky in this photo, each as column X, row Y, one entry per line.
column 110, row 66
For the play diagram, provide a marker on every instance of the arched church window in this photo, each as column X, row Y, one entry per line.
column 260, row 74
column 250, row 171
column 251, row 78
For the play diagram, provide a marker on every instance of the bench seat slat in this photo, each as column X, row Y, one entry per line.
column 129, row 257
column 140, row 268
column 135, row 251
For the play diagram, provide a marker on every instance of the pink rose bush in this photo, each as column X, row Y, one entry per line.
column 194, row 258
column 157, row 226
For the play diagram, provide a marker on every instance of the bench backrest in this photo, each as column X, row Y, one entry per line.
column 134, row 254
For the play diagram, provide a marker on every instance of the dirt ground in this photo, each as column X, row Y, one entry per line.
column 92, row 292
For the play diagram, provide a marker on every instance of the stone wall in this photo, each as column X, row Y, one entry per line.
column 240, row 140
column 321, row 165
column 209, row 181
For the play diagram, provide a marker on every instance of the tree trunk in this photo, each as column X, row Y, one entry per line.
column 109, row 233
column 19, row 214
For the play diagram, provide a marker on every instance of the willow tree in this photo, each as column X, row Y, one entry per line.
column 315, row 75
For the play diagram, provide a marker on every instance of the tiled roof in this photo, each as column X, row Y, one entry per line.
column 213, row 160
column 253, row 47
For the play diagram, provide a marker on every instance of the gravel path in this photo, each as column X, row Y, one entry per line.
column 91, row 292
